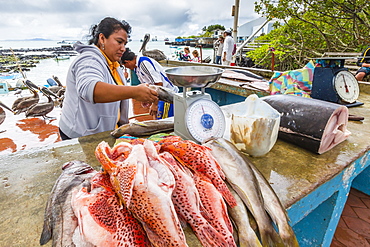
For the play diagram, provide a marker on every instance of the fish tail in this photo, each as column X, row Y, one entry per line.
column 289, row 238
column 269, row 237
column 46, row 234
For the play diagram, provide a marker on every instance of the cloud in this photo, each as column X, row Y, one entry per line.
column 71, row 19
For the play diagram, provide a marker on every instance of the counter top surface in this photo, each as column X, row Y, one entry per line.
column 28, row 175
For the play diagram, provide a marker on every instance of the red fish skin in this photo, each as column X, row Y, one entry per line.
column 103, row 220
column 121, row 177
column 215, row 209
column 151, row 205
column 187, row 204
column 199, row 160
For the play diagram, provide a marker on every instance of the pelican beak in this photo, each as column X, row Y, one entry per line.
column 6, row 107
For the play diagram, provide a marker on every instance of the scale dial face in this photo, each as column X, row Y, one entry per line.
column 204, row 119
column 346, row 86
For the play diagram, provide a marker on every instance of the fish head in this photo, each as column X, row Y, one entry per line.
column 168, row 141
column 103, row 154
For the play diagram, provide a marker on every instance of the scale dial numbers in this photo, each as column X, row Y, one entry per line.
column 204, row 119
column 346, row 86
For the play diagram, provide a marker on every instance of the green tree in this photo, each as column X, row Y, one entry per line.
column 310, row 28
column 208, row 31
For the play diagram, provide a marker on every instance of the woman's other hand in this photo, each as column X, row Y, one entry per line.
column 145, row 94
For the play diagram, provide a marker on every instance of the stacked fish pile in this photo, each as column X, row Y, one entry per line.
column 150, row 190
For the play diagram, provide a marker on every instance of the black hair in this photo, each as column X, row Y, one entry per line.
column 128, row 55
column 107, row 26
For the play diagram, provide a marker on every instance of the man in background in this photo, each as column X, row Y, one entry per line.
column 218, row 46
column 228, row 48
column 364, row 63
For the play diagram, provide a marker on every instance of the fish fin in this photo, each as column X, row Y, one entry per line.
column 226, row 217
column 126, row 184
column 209, row 236
column 226, row 194
column 153, row 237
column 269, row 237
column 288, row 237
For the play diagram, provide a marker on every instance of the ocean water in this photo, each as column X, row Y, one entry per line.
column 49, row 67
column 18, row 132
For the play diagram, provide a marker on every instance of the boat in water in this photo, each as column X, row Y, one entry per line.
column 11, row 80
column 62, row 57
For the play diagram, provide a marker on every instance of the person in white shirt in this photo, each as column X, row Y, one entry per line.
column 219, row 45
column 228, row 48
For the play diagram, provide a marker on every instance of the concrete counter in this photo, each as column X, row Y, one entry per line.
column 312, row 187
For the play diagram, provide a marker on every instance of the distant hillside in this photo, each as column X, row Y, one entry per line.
column 34, row 39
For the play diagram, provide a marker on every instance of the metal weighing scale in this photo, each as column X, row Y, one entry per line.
column 196, row 116
column 333, row 82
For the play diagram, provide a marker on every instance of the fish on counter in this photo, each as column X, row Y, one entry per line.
column 313, row 124
column 141, row 189
column 212, row 199
column 200, row 161
column 145, row 128
column 102, row 219
column 186, row 200
column 247, row 237
column 241, row 178
column 60, row 221
column 274, row 208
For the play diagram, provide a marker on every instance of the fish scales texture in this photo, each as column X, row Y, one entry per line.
column 275, row 209
column 215, row 209
column 144, row 128
column 200, row 160
column 243, row 180
column 187, row 204
column 59, row 219
column 313, row 124
column 246, row 235
column 147, row 201
column 164, row 94
column 103, row 220
column 153, row 206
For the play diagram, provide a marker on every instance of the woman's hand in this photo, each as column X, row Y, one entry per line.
column 145, row 94
column 141, row 93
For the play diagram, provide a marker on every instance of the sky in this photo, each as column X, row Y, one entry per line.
column 72, row 19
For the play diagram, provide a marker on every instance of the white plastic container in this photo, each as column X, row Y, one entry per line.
column 252, row 125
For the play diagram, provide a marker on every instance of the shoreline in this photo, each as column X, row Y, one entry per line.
column 29, row 57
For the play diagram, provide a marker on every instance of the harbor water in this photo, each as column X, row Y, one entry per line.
column 18, row 132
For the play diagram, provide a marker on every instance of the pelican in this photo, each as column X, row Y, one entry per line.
column 155, row 54
column 56, row 89
column 25, row 102
column 41, row 109
column 2, row 113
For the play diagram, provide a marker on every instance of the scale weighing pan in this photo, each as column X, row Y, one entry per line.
column 194, row 76
column 196, row 116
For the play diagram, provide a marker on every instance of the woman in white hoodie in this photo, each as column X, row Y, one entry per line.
column 96, row 97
